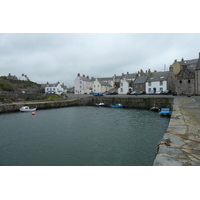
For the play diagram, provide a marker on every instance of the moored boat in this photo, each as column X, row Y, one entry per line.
column 26, row 108
column 100, row 104
column 165, row 111
column 117, row 106
column 154, row 108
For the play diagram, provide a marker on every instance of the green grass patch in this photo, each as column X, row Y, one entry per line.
column 5, row 86
column 53, row 96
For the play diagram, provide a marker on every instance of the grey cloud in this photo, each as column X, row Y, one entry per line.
column 59, row 57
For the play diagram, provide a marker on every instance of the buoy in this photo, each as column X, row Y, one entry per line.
column 33, row 113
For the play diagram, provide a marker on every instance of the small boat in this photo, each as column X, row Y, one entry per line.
column 117, row 106
column 26, row 108
column 100, row 104
column 154, row 108
column 165, row 111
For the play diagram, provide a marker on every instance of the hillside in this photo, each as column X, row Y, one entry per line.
column 17, row 85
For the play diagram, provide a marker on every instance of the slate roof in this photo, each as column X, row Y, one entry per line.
column 86, row 79
column 186, row 73
column 141, row 79
column 198, row 65
column 105, row 79
column 130, row 76
column 156, row 76
column 188, row 62
column 104, row 83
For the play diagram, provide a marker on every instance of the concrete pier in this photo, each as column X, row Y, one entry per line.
column 180, row 145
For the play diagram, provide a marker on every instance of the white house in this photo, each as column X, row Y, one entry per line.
column 124, row 86
column 126, row 82
column 55, row 88
column 82, row 84
column 99, row 86
column 158, row 81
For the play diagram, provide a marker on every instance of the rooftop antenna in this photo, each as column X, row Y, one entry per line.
column 164, row 67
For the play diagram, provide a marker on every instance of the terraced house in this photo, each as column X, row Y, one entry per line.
column 183, row 78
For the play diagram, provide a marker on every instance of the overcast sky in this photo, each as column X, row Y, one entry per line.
column 59, row 57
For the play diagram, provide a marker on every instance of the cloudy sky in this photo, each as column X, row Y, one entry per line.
column 59, row 57
column 92, row 38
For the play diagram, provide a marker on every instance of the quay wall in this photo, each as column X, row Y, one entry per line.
column 138, row 102
column 132, row 102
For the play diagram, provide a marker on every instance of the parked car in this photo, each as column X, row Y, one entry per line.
column 98, row 94
column 167, row 92
column 159, row 92
column 91, row 92
column 111, row 93
column 151, row 92
column 136, row 92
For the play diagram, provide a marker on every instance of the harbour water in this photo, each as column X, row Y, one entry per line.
column 81, row 136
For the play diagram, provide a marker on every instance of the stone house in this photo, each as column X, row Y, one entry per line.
column 140, row 83
column 197, row 77
column 185, row 81
column 178, row 65
column 187, row 76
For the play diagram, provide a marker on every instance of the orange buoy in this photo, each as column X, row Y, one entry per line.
column 33, row 113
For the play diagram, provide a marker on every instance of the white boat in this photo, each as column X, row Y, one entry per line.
column 100, row 104
column 26, row 108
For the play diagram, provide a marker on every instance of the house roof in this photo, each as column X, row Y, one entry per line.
column 52, row 84
column 158, row 76
column 104, row 83
column 141, row 79
column 86, row 79
column 186, row 73
column 198, row 65
column 188, row 62
column 130, row 76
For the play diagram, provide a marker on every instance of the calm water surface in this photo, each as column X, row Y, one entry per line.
column 81, row 136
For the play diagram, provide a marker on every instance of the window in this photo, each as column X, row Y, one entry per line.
column 188, row 81
column 161, row 89
column 149, row 90
column 121, row 89
column 180, row 81
column 161, row 82
column 149, row 83
column 122, row 84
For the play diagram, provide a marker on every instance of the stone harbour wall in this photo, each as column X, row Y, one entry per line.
column 137, row 102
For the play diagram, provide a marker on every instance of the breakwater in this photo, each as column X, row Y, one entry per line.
column 129, row 102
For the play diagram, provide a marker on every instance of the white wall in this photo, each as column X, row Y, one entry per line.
column 157, row 85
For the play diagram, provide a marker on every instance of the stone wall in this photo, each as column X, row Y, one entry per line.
column 140, row 103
